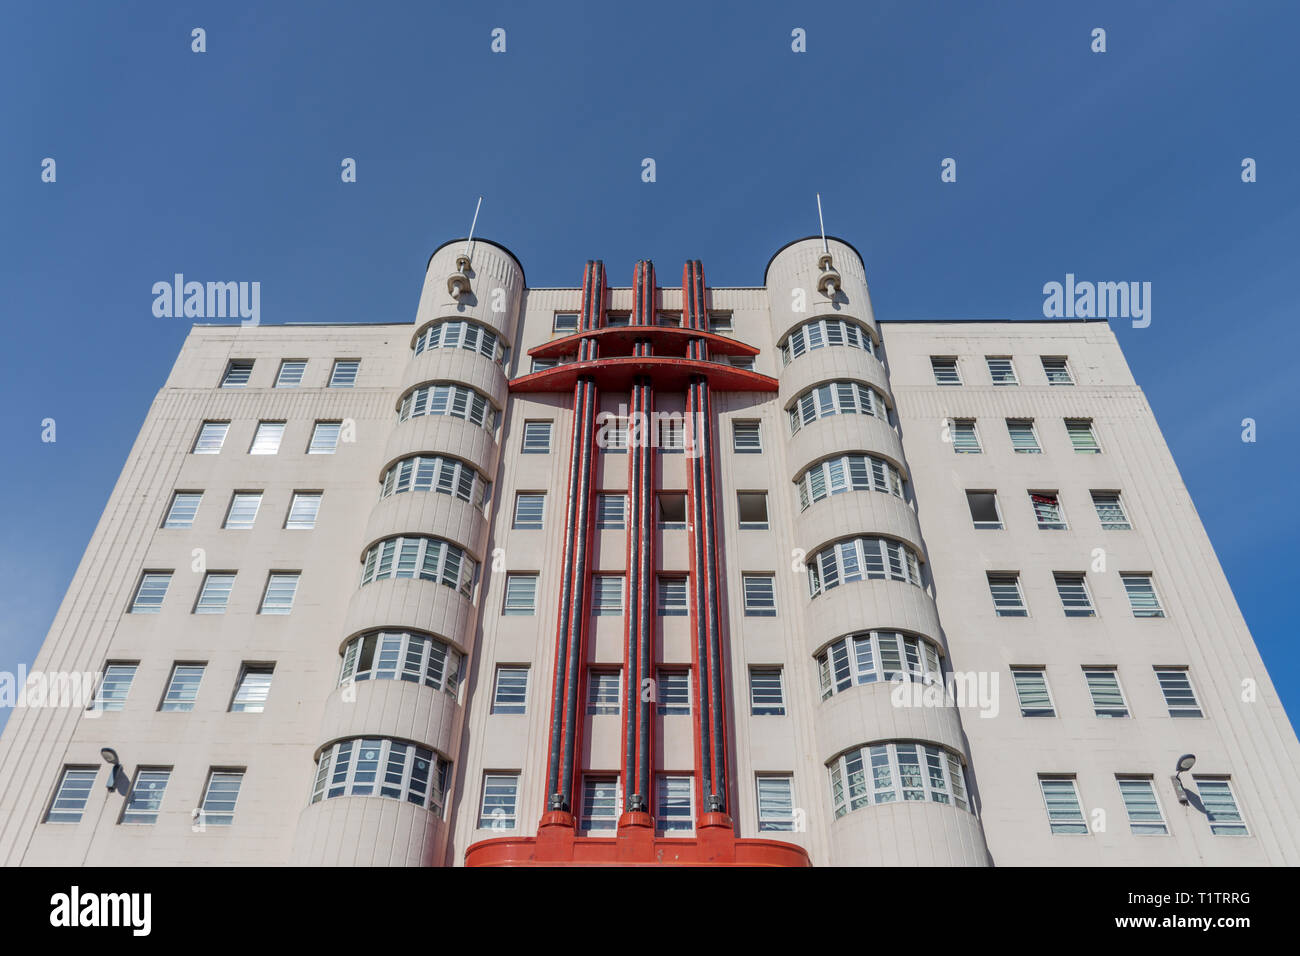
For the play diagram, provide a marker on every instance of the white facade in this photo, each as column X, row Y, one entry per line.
column 1247, row 741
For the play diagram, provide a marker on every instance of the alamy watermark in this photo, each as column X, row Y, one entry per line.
column 1098, row 300
column 49, row 689
column 972, row 690
column 667, row 431
column 211, row 300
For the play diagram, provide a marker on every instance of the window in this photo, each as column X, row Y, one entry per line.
column 672, row 434
column 423, row 557
column 345, row 373
column 599, row 803
column 1032, row 692
column 237, row 374
column 1057, row 371
column 382, row 767
column 871, row 656
column 1142, row 806
column 1082, row 436
column 1142, row 597
column 500, row 801
column 447, row 476
column 1176, row 685
column 146, row 795
column 613, row 434
column 603, row 692
column 945, row 370
column 674, row 803
column 672, row 595
column 528, row 510
column 253, row 689
column 462, row 335
column 674, row 692
column 280, row 590
column 542, row 364
column 303, row 510
column 766, row 695
column 218, row 806
column 1061, row 798
column 215, row 593
column 669, row 319
column 983, row 507
column 1024, row 440
column 819, row 333
column 848, row 473
column 775, row 801
column 1007, row 599
column 267, row 438
column 325, row 438
column 611, row 512
column 1002, row 370
column 862, row 559
column 149, row 595
column 521, row 594
column 1073, row 589
column 450, row 399
column 243, row 510
column 751, row 506
column 183, row 687
column 760, row 594
column 537, row 438
column 672, row 509
column 720, row 322
column 291, row 372
column 70, row 797
column 893, row 772
column 746, row 436
column 184, row 506
column 212, row 435
column 565, row 322
column 965, row 440
column 617, row 319
column 607, row 594
column 837, row 398
column 510, row 690
column 114, row 686
column 403, row 655
column 1220, row 806
column 1110, row 511
column 1103, row 688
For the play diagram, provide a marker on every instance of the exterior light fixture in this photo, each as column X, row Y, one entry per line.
column 117, row 779
column 1185, row 763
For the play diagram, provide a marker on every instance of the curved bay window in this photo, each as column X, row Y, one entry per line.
column 418, row 556
column 382, row 767
column 448, row 398
column 896, row 771
column 837, row 398
column 820, row 333
column 448, row 476
column 871, row 656
column 403, row 655
column 460, row 334
column 848, row 473
column 862, row 559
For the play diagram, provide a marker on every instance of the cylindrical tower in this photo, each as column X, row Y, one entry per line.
column 392, row 725
column 896, row 764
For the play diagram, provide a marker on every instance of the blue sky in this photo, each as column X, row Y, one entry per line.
column 225, row 166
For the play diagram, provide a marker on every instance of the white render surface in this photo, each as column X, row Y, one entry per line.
column 1252, row 742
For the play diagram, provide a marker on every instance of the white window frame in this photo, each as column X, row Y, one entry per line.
column 997, row 510
column 864, row 558
column 1025, row 704
column 206, row 603
column 752, row 586
column 604, row 692
column 177, row 518
column 243, row 509
column 1157, row 609
column 115, row 685
column 939, row 363
column 144, row 800
column 602, row 594
column 1083, row 449
column 1063, row 821
column 252, row 688
column 182, row 690
column 524, row 520
column 267, row 438
column 217, row 809
column 1019, row 446
column 532, row 444
column 677, row 706
column 211, row 438
column 774, row 802
column 519, row 579
column 1193, row 710
column 1019, row 610
column 344, row 373
column 422, row 557
column 291, row 365
column 963, row 446
column 744, row 448
column 1229, row 827
column 761, row 703
column 596, row 815
column 1073, row 607
column 71, row 795
column 406, row 655
column 604, row 517
column 304, row 509
column 151, row 581
column 1010, row 368
column 499, row 803
column 872, row 774
column 1099, row 705
column 1065, row 366
column 281, row 591
column 510, row 690
column 322, row 443
column 1118, row 503
column 674, row 803
column 232, row 377
column 1128, row 785
column 880, row 655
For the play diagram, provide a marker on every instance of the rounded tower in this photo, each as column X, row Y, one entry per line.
column 392, row 724
column 895, row 758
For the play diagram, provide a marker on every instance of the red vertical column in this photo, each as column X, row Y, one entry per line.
column 575, row 572
column 636, row 824
column 711, row 745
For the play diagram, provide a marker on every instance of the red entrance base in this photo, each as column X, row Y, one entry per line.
column 557, row 844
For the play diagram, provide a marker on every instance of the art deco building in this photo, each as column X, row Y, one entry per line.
column 647, row 571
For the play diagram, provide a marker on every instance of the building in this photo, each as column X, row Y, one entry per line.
column 630, row 574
